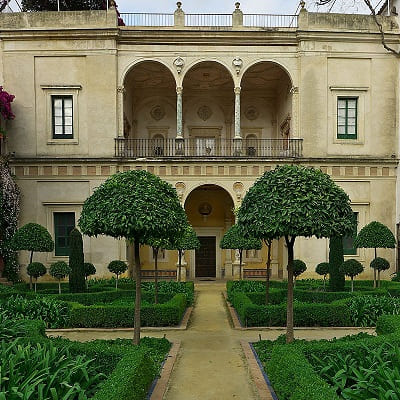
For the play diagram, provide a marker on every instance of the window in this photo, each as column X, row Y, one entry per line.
column 347, row 117
column 62, row 114
column 64, row 222
column 348, row 241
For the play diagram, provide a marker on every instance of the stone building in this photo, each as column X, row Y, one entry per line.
column 208, row 103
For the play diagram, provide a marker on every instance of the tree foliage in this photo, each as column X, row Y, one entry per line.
column 292, row 201
column 322, row 269
column 380, row 264
column 59, row 270
column 351, row 268
column 235, row 239
column 375, row 235
column 36, row 270
column 9, row 213
column 76, row 262
column 117, row 267
column 89, row 268
column 299, row 266
column 32, row 237
column 336, row 259
column 135, row 205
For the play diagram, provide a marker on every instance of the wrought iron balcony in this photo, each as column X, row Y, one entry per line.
column 208, row 148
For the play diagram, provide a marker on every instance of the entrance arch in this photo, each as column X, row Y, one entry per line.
column 210, row 211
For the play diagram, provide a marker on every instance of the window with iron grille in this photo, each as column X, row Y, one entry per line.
column 64, row 222
column 62, row 114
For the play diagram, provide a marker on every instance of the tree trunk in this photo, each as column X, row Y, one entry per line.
column 289, row 313
column 30, row 278
column 155, row 275
column 379, row 278
column 59, row 286
column 375, row 272
column 352, row 284
column 35, row 284
column 116, row 283
column 240, row 263
column 269, row 244
column 324, row 282
column 179, row 264
column 136, row 334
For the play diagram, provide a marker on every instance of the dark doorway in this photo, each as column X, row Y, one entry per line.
column 206, row 257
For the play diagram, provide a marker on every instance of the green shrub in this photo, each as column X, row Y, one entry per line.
column 89, row 268
column 299, row 267
column 336, row 258
column 351, row 268
column 117, row 267
column 59, row 270
column 14, row 328
column 54, row 314
column 77, row 276
column 365, row 310
column 36, row 270
column 167, row 314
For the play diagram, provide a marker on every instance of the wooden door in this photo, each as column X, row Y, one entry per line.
column 206, row 263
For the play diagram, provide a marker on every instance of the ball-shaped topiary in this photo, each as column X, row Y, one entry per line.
column 89, row 268
column 299, row 267
column 323, row 270
column 117, row 267
column 351, row 268
column 59, row 270
column 380, row 264
column 36, row 270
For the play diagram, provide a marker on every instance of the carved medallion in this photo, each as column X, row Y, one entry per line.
column 237, row 63
column 179, row 64
column 157, row 113
column 204, row 112
column 205, row 209
column 251, row 113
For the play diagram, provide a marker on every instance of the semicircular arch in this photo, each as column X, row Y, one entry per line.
column 207, row 60
column 197, row 185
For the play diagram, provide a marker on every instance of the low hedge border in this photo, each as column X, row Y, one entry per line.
column 108, row 316
column 133, row 368
column 293, row 376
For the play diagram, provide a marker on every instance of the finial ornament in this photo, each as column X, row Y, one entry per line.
column 302, row 4
column 179, row 64
column 237, row 64
column 179, row 4
column 237, row 5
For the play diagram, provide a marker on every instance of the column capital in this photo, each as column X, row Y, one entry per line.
column 237, row 90
column 179, row 90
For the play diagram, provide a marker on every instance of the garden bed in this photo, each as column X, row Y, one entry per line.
column 355, row 367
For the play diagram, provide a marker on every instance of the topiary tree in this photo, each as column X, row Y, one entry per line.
column 292, row 201
column 117, row 267
column 380, row 264
column 36, row 270
column 336, row 259
column 77, row 274
column 373, row 236
column 135, row 205
column 32, row 237
column 89, row 269
column 323, row 270
column 351, row 268
column 186, row 240
column 59, row 270
column 299, row 267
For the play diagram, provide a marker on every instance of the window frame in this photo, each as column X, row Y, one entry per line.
column 58, row 136
column 56, row 236
column 346, row 135
column 352, row 251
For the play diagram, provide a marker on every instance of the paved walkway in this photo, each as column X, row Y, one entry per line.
column 211, row 364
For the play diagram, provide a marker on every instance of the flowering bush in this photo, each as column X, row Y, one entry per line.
column 5, row 104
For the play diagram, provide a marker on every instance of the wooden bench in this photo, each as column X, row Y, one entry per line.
column 162, row 274
column 254, row 273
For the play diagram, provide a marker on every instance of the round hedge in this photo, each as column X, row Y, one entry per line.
column 380, row 264
column 89, row 268
column 117, row 267
column 299, row 267
column 36, row 270
column 351, row 268
column 59, row 270
column 322, row 268
column 32, row 237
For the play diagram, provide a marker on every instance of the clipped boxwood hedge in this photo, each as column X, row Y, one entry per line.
column 308, row 314
column 109, row 316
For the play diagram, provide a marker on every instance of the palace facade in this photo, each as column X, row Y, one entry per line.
column 208, row 103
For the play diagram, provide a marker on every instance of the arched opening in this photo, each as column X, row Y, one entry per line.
column 210, row 211
column 266, row 110
column 208, row 100
column 149, row 109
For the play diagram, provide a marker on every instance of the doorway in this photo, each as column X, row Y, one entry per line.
column 206, row 265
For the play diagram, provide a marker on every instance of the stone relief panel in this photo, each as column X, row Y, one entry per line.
column 204, row 112
column 157, row 113
column 251, row 113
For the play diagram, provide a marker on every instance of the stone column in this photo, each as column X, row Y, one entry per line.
column 179, row 142
column 120, row 110
column 237, row 140
column 179, row 16
column 294, row 129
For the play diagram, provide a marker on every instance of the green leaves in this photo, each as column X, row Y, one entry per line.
column 117, row 267
column 59, row 270
column 32, row 237
column 375, row 235
column 234, row 239
column 322, row 268
column 299, row 267
column 294, row 200
column 351, row 268
column 380, row 264
column 36, row 270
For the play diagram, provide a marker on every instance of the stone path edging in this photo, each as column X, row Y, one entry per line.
column 264, row 392
column 162, row 382
column 181, row 327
